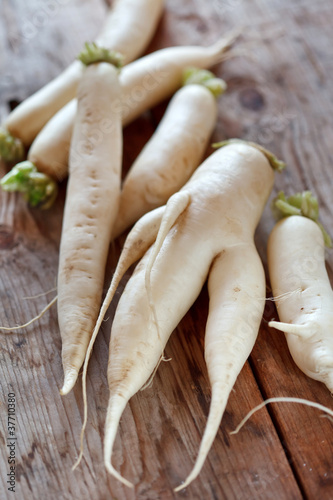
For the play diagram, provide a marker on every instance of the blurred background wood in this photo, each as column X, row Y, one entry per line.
column 279, row 94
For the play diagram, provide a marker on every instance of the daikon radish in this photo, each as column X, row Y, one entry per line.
column 174, row 151
column 301, row 287
column 144, row 83
column 92, row 201
column 206, row 229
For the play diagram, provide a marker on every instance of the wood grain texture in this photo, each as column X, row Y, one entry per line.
column 279, row 95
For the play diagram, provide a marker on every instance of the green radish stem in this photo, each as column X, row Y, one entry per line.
column 93, row 53
column 38, row 189
column 11, row 148
column 275, row 163
column 206, row 78
column 304, row 204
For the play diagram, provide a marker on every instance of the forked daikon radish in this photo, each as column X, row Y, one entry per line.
column 129, row 26
column 301, row 287
column 174, row 151
column 144, row 83
column 206, row 229
column 91, row 206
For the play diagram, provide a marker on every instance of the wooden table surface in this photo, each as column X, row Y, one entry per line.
column 279, row 94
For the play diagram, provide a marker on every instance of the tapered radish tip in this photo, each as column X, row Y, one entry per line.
column 118, row 476
column 274, row 324
column 183, row 485
column 195, row 472
column 78, row 461
column 69, row 381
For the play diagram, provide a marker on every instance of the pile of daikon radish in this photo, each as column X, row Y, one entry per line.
column 191, row 221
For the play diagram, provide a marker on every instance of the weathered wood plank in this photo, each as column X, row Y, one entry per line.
column 39, row 39
column 296, row 121
column 48, row 435
column 302, row 431
column 282, row 99
column 305, row 146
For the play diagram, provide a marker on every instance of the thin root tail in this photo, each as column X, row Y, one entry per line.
column 118, row 476
column 281, row 399
column 78, row 460
column 222, row 46
column 217, row 407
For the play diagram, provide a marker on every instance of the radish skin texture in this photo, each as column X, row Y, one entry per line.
column 44, row 151
column 144, row 83
column 91, row 206
column 168, row 160
column 206, row 229
column 129, row 26
column 296, row 260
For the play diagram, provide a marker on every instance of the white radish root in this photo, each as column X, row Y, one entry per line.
column 235, row 312
column 171, row 155
column 91, row 207
column 296, row 260
column 144, row 83
column 137, row 243
column 207, row 226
